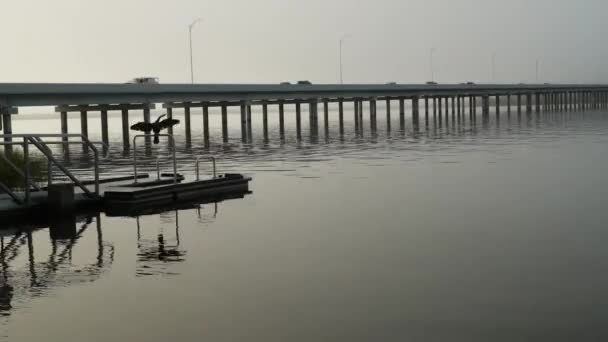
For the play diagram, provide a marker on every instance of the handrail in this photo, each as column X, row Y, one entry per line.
column 171, row 140
column 198, row 168
column 42, row 146
column 68, row 173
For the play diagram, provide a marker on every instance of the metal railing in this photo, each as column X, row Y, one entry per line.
column 171, row 141
column 198, row 161
column 43, row 146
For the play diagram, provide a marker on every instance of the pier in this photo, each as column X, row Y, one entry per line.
column 440, row 104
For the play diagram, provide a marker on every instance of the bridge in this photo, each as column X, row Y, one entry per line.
column 86, row 98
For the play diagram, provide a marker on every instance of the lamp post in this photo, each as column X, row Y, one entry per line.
column 342, row 39
column 191, row 60
column 432, row 52
column 494, row 67
column 537, row 69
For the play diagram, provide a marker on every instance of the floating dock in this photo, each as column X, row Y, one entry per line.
column 122, row 196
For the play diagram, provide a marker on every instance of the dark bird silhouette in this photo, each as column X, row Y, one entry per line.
column 155, row 126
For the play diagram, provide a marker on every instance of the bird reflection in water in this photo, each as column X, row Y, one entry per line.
column 18, row 282
column 155, row 256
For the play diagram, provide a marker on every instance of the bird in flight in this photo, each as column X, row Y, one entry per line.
column 155, row 126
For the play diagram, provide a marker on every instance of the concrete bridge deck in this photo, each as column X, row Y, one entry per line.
column 85, row 98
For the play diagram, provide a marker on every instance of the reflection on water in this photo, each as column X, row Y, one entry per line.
column 156, row 255
column 26, row 273
column 36, row 275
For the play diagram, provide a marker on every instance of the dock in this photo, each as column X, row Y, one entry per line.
column 118, row 195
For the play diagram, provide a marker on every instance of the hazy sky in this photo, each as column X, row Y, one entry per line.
column 275, row 40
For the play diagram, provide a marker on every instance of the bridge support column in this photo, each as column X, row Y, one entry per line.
column 169, row 116
column 298, row 120
column 356, row 109
column 402, row 113
column 518, row 104
column 104, row 127
column 84, row 127
column 537, row 95
column 326, row 117
column 147, row 140
column 341, row 115
column 313, row 117
column 440, row 111
column 206, row 124
column 416, row 113
column 249, row 124
column 372, row 115
column 447, row 110
column 243, row 121
column 508, row 104
column 497, row 105
column 265, row 121
column 485, row 106
column 64, row 126
column 7, row 126
column 529, row 103
column 426, row 111
column 282, row 120
column 224, row 123
column 188, row 124
column 388, row 114
column 453, row 108
column 126, row 140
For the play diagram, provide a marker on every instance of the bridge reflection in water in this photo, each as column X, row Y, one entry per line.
column 25, row 275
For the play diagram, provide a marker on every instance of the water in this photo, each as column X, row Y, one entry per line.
column 486, row 232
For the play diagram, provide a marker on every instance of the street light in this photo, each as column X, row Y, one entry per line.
column 342, row 39
column 494, row 67
column 191, row 62
column 431, row 64
column 537, row 67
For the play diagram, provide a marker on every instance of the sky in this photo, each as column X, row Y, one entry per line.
column 269, row 41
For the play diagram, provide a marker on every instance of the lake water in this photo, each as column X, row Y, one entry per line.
column 486, row 232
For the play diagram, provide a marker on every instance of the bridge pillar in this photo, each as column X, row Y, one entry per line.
column 426, row 110
column 206, row 124
column 372, row 115
column 497, row 105
column 388, row 114
column 64, row 126
column 244, row 121
column 447, row 110
column 265, row 120
column 537, row 95
column 7, row 125
column 326, row 117
column 356, row 111
column 458, row 105
column 147, row 140
column 453, row 107
column 169, row 116
column 187, row 123
column 298, row 120
column 508, row 104
column 434, row 108
column 402, row 113
column 313, row 117
column 126, row 140
column 341, row 115
column 104, row 127
column 84, row 127
column 282, row 120
column 528, row 102
column 249, row 123
column 518, row 104
column 416, row 112
column 485, row 104
column 224, row 122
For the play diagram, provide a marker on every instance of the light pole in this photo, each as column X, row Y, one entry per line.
column 537, row 67
column 494, row 67
column 191, row 61
column 342, row 39
column 431, row 64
